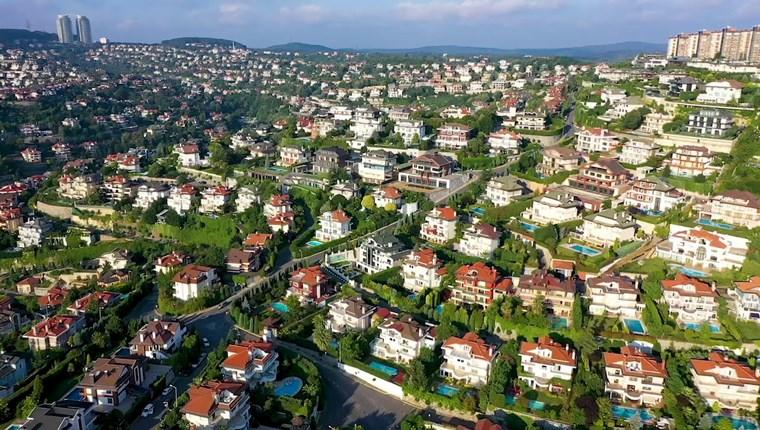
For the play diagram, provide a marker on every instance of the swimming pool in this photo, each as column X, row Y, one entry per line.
column 635, row 326
column 711, row 223
column 388, row 370
column 528, row 226
column 694, row 273
column 288, row 387
column 626, row 413
column 585, row 250
column 479, row 211
column 76, row 394
column 280, row 307
column 439, row 309
column 737, row 423
column 313, row 243
column 446, row 390
column 278, row 169
column 714, row 327
column 560, row 322
column 536, row 405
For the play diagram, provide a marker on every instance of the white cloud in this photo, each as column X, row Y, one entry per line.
column 233, row 12
column 308, row 13
column 430, row 10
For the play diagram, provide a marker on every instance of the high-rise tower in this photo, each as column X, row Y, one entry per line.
column 83, row 29
column 65, row 34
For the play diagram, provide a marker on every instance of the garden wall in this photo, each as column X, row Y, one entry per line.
column 385, row 386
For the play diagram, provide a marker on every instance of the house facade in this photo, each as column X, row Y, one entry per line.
column 440, row 225
column 556, row 294
column 702, row 249
column 633, row 376
column 690, row 300
column 614, row 296
column 653, row 195
column 349, row 314
column 553, row 208
column 726, row 382
column 251, row 362
column 401, row 340
column 478, row 284
column 547, row 364
column 734, row 207
column 422, row 269
column 608, row 227
column 467, row 359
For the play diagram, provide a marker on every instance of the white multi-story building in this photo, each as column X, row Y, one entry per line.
column 721, row 92
column 147, row 194
column 218, row 404
column 703, row 249
column 691, row 161
column 638, row 152
column 734, row 207
column 726, row 382
column 453, row 136
column 613, row 296
column 278, row 204
column 78, row 187
column 192, row 280
column 158, row 339
column 746, row 300
column 387, row 195
column 181, row 198
column 652, row 194
column 609, row 226
column 377, row 167
column 292, row 156
column 422, row 270
column 710, row 122
column 690, row 300
column 440, row 225
column 504, row 141
column 654, row 122
column 553, row 208
column 364, row 128
column 190, row 155
column 479, row 240
column 408, row 129
column 467, row 359
column 546, row 363
column 251, row 362
column 349, row 314
column 33, row 232
column 503, row 190
column 214, row 199
column 634, row 376
column 401, row 340
column 376, row 254
column 116, row 188
column 595, row 140
column 333, row 226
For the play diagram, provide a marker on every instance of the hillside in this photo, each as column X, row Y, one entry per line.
column 182, row 41
column 15, row 36
column 298, row 47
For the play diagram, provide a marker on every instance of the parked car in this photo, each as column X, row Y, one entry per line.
column 206, row 343
column 148, row 411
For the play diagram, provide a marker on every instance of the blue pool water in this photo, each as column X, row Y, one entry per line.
column 635, row 326
column 625, row 413
column 479, row 211
column 510, row 399
column 280, row 307
column 528, row 226
column 694, row 273
column 447, row 390
column 714, row 328
column 313, row 243
column 288, row 387
column 558, row 323
column 711, row 223
column 536, row 405
column 439, row 309
column 388, row 370
column 14, row 427
column 738, row 423
column 585, row 250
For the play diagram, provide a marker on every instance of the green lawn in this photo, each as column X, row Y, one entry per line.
column 689, row 184
column 202, row 230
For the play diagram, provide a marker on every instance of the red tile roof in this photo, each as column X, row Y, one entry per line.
column 204, row 399
column 633, row 362
column 740, row 374
column 192, row 274
column 682, row 283
column 478, row 347
column 558, row 353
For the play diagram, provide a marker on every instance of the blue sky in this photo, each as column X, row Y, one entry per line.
column 391, row 23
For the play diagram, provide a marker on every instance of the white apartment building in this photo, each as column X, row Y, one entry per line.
column 632, row 376
column 422, row 269
column 746, row 300
column 638, row 152
column 116, row 188
column 292, row 155
column 479, row 240
column 218, row 404
column 181, row 198
column 654, row 122
column 333, row 226
column 503, row 190
column 377, row 167
column 530, row 121
column 247, row 197
column 546, row 362
column 504, row 141
column 251, row 362
column 349, row 314
column 595, row 140
column 401, row 340
column 691, row 161
column 734, row 207
column 553, row 208
column 386, row 195
column 710, row 122
column 690, row 300
column 467, row 359
column 278, row 204
column 440, row 225
column 190, row 155
column 613, row 296
column 453, row 136
column 376, row 254
column 721, row 92
column 408, row 129
column 147, row 194
column 703, row 249
column 726, row 382
column 364, row 128
column 609, row 226
column 192, row 280
column 33, row 232
column 214, row 199
column 158, row 339
column 652, row 194
column 78, row 187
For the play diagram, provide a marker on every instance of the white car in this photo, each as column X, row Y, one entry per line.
column 148, row 411
column 206, row 343
column 166, row 391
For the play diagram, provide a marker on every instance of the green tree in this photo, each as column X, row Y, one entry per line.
column 322, row 334
column 30, row 402
column 368, row 202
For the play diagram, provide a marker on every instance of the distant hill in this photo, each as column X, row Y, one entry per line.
column 612, row 51
column 182, row 41
column 15, row 36
column 298, row 47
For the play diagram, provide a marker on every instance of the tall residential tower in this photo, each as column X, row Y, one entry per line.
column 83, row 29
column 65, row 34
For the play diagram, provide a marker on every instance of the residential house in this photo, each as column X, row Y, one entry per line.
column 31, row 155
column 327, row 160
column 376, row 254
column 557, row 295
column 293, row 155
column 734, row 207
column 147, row 194
column 216, row 404
column 78, row 187
column 190, row 155
column 245, row 260
column 53, row 332
column 692, row 161
column 553, row 208
column 547, row 364
column 653, row 195
column 721, row 92
column 214, row 199
column 347, row 189
column 349, row 314
column 638, row 152
column 633, row 376
column 530, row 121
column 479, row 240
column 117, row 259
column 278, row 204
column 726, row 382
column 310, row 285
column 746, row 299
column 10, row 219
column 192, row 280
column 61, row 415
column 557, row 159
column 710, row 122
column 158, row 339
column 377, row 167
column 595, row 140
column 478, row 284
column 440, row 225
column 422, row 269
column 608, row 227
column 467, row 359
column 702, row 249
column 170, row 262
column 333, row 225
column 33, row 232
column 612, row 295
column 429, row 170
column 605, row 176
column 181, row 198
column 401, row 340
column 107, row 383
column 503, row 190
column 96, row 300
column 690, row 300
column 453, row 136
column 654, row 122
column 117, row 188
column 385, row 196
column 13, row 369
column 504, row 141
column 251, row 362
column 409, row 130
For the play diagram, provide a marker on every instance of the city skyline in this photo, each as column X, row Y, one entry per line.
column 394, row 23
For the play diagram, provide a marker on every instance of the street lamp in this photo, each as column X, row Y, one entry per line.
column 175, row 394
